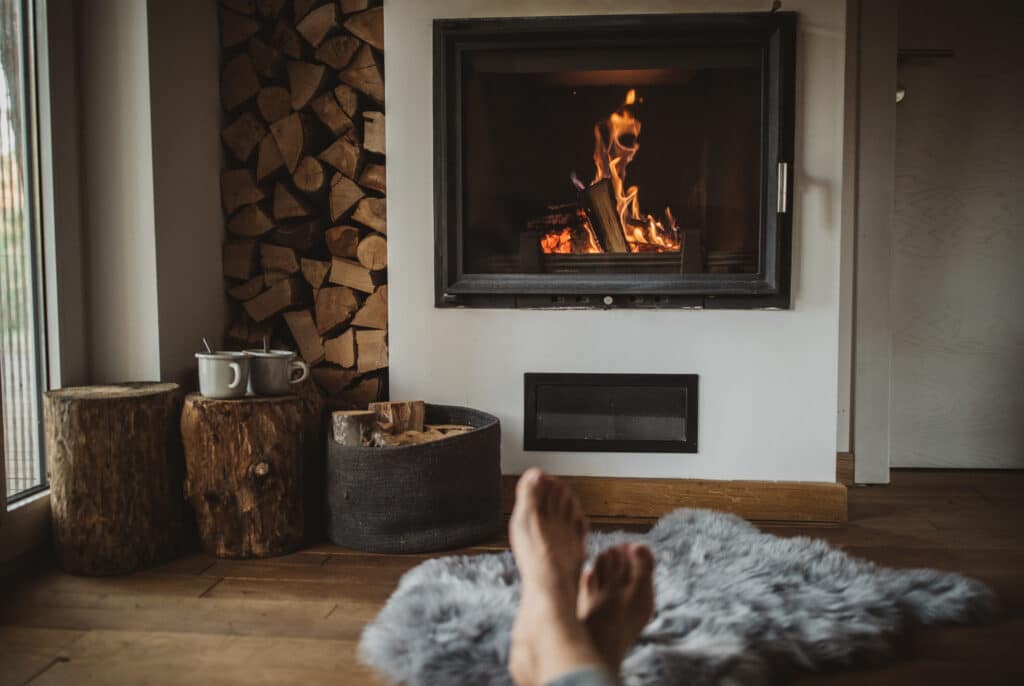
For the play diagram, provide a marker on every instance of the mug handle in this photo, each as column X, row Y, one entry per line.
column 237, row 369
column 299, row 364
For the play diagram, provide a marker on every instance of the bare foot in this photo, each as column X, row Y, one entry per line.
column 546, row 533
column 616, row 600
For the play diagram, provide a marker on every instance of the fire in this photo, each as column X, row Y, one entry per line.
column 616, row 143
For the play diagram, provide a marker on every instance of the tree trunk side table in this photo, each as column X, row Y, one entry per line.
column 243, row 473
column 115, row 480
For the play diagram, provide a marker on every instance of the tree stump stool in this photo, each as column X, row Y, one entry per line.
column 115, row 477
column 243, row 473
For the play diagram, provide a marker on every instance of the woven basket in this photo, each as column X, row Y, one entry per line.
column 418, row 498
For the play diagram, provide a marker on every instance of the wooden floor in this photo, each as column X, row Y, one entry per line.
column 297, row 619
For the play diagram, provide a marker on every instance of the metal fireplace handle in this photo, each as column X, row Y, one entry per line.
column 782, row 200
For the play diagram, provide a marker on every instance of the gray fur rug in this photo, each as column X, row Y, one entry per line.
column 734, row 606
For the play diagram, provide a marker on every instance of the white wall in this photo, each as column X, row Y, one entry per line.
column 184, row 69
column 150, row 169
column 768, row 379
column 117, row 191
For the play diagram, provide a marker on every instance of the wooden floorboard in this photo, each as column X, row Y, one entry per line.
column 297, row 619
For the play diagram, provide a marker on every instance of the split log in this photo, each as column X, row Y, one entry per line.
column 350, row 6
column 399, row 416
column 317, row 24
column 374, row 213
column 243, row 135
column 374, row 177
column 342, row 241
column 244, row 461
column 315, row 271
column 373, row 132
column 239, row 259
column 369, row 26
column 341, row 350
column 286, row 205
column 328, row 111
column 115, row 481
column 274, row 102
column 352, row 274
column 235, row 28
column 280, row 296
column 374, row 312
column 343, row 155
column 364, row 74
column 347, row 97
column 301, row 7
column 371, row 350
column 302, row 236
column 304, row 79
column 308, row 175
column 245, row 330
column 353, row 427
column 363, row 393
column 266, row 59
column 337, row 51
column 292, row 137
column 448, row 429
column 285, row 40
column 331, row 379
column 344, row 194
column 303, row 329
column 604, row 216
column 268, row 158
column 238, row 82
column 250, row 221
column 237, row 188
column 372, row 252
column 384, row 440
column 334, row 307
column 276, row 258
column 247, row 289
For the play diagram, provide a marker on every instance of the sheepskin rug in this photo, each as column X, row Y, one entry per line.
column 733, row 606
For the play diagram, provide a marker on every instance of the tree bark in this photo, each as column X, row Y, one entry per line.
column 115, row 476
column 244, row 467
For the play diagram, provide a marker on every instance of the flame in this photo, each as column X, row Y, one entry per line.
column 616, row 143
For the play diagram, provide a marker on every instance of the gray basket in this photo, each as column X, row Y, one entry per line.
column 418, row 498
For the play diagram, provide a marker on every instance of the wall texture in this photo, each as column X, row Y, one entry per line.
column 958, row 240
column 768, row 378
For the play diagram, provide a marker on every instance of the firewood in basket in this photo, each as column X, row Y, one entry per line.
column 353, row 428
column 398, row 416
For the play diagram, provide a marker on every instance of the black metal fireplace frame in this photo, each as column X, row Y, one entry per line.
column 774, row 33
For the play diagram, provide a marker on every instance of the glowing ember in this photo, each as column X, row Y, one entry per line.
column 616, row 142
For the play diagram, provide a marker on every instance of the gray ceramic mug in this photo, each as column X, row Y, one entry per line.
column 223, row 374
column 273, row 372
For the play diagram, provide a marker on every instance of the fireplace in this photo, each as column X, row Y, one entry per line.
column 614, row 161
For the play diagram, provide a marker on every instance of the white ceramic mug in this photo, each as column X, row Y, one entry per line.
column 223, row 374
column 273, row 372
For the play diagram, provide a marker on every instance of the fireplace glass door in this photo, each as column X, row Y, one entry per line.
column 642, row 160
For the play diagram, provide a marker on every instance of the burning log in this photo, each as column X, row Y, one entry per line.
column 599, row 199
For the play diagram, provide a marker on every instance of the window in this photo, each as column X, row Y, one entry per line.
column 22, row 372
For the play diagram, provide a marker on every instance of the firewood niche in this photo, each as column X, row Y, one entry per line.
column 303, row 186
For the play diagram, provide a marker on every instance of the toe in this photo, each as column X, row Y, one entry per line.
column 527, row 487
column 643, row 562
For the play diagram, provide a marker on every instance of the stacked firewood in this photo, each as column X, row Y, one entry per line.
column 303, row 187
column 389, row 425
